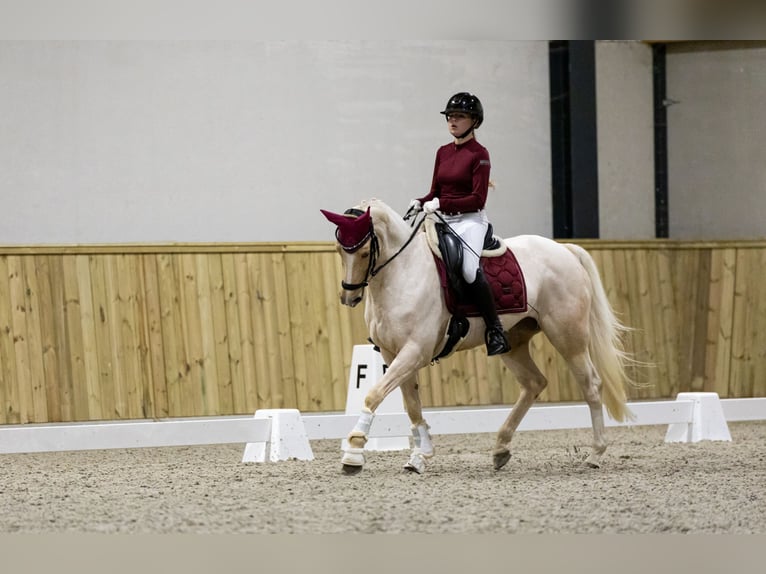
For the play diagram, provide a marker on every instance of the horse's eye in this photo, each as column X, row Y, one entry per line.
column 366, row 255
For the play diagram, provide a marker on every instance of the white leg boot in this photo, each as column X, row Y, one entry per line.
column 353, row 456
column 424, row 449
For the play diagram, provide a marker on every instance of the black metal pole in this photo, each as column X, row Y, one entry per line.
column 660, row 142
column 561, row 165
column 574, row 141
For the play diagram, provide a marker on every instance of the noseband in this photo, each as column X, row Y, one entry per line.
column 372, row 271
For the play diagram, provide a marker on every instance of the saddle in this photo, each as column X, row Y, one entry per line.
column 498, row 263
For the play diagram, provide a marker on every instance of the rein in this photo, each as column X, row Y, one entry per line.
column 372, row 271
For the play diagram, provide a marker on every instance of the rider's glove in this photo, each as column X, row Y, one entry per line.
column 431, row 206
column 415, row 205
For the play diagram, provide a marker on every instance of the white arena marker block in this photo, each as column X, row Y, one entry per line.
column 367, row 368
column 287, row 440
column 708, row 420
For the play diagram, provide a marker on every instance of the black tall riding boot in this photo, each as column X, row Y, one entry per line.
column 494, row 336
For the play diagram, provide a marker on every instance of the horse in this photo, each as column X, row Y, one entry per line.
column 408, row 319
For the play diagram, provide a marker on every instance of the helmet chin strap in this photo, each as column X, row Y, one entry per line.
column 470, row 130
column 464, row 134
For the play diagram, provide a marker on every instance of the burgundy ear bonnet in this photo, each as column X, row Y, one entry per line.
column 354, row 227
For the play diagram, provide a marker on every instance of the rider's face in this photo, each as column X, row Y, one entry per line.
column 458, row 123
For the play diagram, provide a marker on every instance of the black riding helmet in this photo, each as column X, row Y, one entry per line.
column 466, row 103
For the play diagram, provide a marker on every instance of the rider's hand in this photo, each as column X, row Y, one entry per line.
column 415, row 205
column 431, row 206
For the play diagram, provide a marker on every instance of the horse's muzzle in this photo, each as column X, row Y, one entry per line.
column 352, row 298
column 352, row 293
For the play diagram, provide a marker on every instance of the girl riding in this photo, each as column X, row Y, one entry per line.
column 459, row 193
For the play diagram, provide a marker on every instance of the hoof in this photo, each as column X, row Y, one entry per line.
column 594, row 460
column 409, row 467
column 350, row 469
column 500, row 459
column 416, row 464
column 353, row 461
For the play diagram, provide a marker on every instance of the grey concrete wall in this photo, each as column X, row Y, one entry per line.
column 111, row 142
column 717, row 140
column 625, row 140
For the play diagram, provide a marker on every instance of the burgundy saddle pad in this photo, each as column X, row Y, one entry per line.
column 505, row 278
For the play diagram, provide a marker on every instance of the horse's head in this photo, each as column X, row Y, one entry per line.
column 357, row 247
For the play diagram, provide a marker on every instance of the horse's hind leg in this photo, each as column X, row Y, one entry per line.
column 532, row 383
column 586, row 376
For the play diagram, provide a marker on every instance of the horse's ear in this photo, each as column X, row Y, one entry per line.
column 352, row 229
column 335, row 218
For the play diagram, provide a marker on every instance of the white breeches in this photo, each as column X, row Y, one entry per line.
column 471, row 227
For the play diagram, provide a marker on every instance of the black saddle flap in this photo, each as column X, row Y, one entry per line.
column 452, row 255
column 451, row 250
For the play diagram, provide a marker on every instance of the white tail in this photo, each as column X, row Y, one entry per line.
column 606, row 342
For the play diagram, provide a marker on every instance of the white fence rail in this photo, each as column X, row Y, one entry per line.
column 281, row 434
column 744, row 409
column 131, row 434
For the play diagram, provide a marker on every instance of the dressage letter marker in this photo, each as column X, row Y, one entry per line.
column 360, row 370
column 367, row 368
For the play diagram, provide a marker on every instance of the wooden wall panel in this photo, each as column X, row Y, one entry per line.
column 121, row 332
column 156, row 388
column 9, row 380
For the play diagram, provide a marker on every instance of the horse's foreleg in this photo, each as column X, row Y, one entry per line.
column 423, row 449
column 353, row 456
column 423, row 446
column 401, row 373
column 533, row 383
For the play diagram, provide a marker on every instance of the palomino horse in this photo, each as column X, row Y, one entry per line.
column 408, row 320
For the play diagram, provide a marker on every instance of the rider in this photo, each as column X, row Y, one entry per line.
column 459, row 192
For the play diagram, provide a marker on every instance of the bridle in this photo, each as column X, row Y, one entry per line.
column 371, row 237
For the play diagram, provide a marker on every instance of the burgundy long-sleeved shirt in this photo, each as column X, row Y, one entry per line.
column 461, row 177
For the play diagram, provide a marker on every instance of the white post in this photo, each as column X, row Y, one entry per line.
column 708, row 420
column 287, row 440
column 367, row 368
